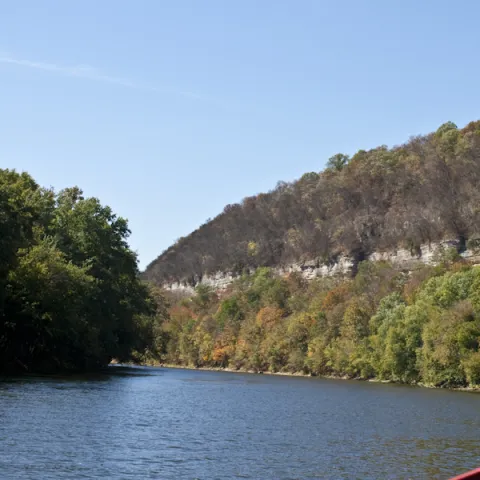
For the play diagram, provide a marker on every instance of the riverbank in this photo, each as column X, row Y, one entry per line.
column 296, row 374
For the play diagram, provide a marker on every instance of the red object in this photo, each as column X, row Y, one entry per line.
column 473, row 475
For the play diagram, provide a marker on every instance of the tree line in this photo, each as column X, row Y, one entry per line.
column 405, row 196
column 72, row 297
column 70, row 294
column 417, row 327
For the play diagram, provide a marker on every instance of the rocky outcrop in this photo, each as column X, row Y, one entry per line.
column 343, row 265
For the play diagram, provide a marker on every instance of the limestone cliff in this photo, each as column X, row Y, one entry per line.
column 344, row 265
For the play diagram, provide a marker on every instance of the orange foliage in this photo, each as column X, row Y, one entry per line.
column 220, row 355
column 224, row 348
column 267, row 317
column 335, row 296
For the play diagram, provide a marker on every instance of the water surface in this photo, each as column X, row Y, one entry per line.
column 154, row 423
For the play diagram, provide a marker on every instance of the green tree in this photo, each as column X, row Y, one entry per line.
column 338, row 162
column 71, row 297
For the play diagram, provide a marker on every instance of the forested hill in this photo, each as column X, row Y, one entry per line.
column 405, row 196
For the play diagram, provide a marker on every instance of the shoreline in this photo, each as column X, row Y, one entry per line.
column 297, row 374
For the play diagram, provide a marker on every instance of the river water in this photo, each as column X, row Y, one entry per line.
column 155, row 423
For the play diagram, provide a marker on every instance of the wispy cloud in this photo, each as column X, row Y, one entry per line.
column 91, row 73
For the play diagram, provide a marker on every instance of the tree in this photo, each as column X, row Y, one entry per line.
column 48, row 327
column 445, row 128
column 71, row 297
column 338, row 162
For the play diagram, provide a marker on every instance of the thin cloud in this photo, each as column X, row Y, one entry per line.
column 91, row 73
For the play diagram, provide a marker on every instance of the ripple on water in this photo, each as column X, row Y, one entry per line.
column 167, row 423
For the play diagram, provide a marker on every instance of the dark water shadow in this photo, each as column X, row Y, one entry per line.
column 103, row 375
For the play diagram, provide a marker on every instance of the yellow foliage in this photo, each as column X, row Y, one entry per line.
column 268, row 317
column 252, row 249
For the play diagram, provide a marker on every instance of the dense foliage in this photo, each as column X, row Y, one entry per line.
column 420, row 326
column 424, row 190
column 70, row 297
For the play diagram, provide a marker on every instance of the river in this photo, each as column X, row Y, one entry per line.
column 156, row 423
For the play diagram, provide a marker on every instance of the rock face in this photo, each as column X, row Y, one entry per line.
column 343, row 265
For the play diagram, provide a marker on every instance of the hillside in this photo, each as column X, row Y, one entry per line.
column 407, row 196
column 422, row 327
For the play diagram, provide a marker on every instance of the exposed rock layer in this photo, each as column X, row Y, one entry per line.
column 343, row 265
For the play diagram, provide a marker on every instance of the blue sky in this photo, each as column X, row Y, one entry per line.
column 168, row 110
